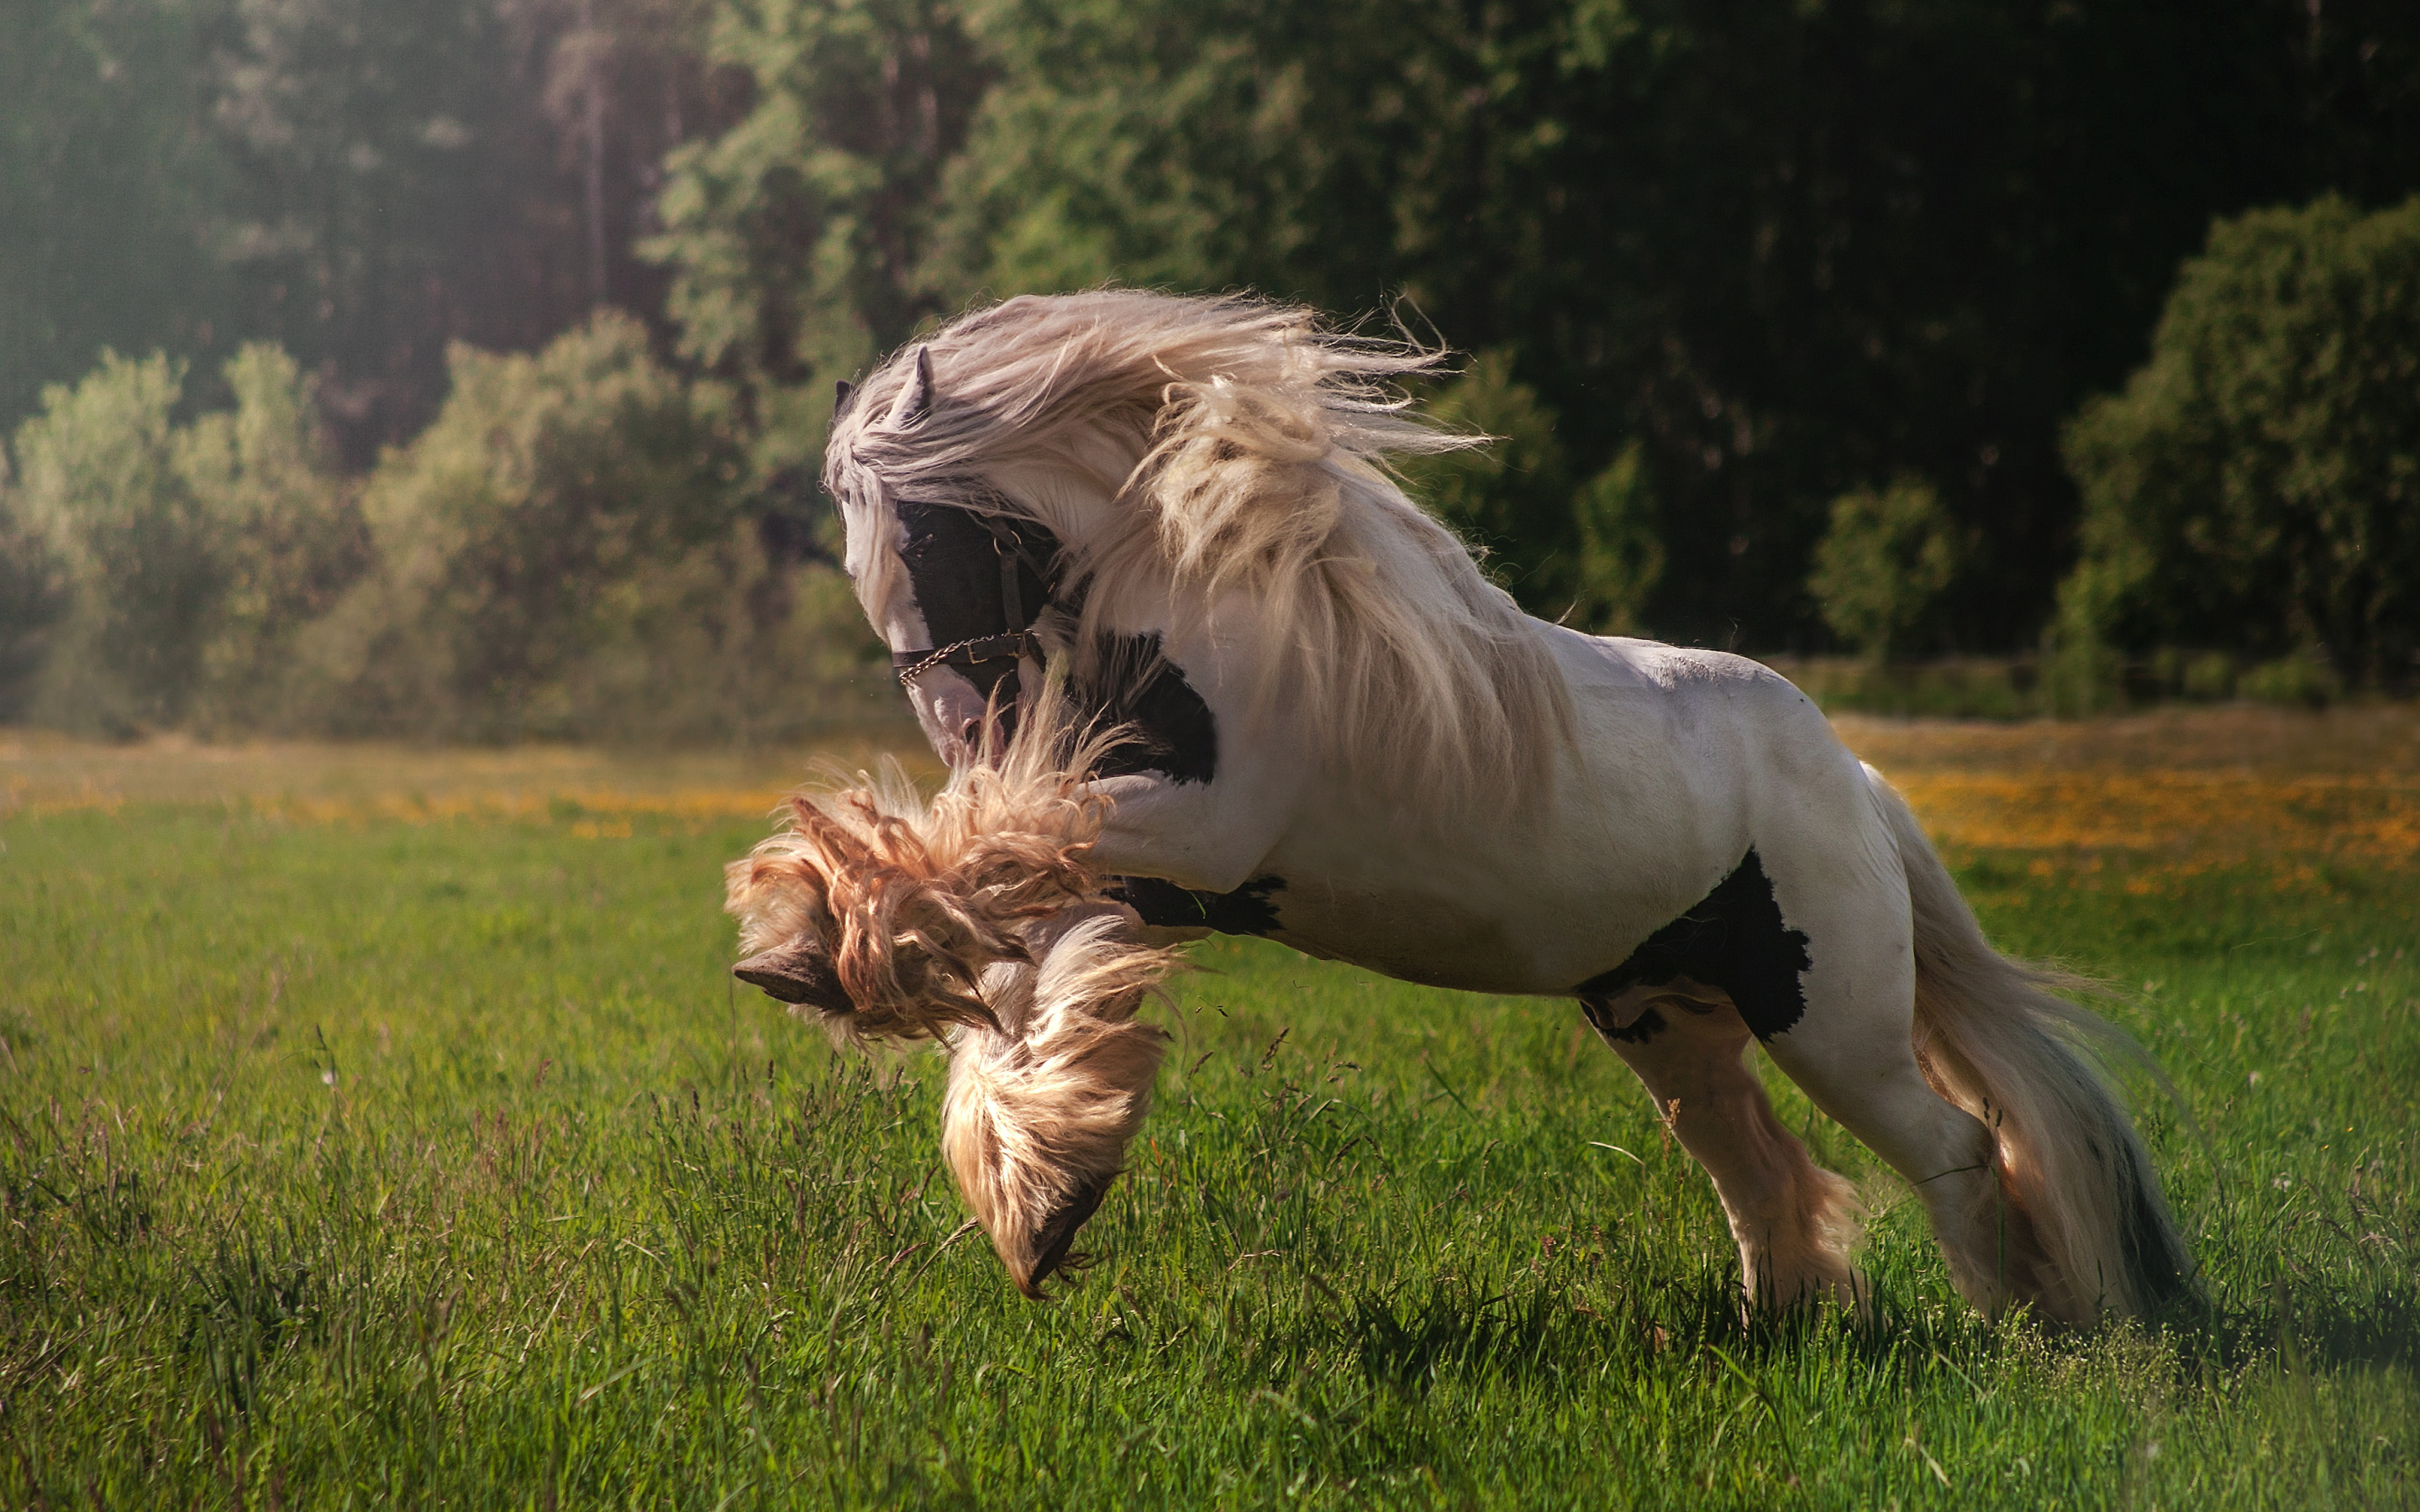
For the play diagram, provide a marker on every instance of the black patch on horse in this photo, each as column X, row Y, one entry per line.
column 1248, row 910
column 1131, row 682
column 1735, row 940
column 955, row 568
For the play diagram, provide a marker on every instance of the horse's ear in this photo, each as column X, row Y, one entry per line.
column 916, row 399
column 842, row 391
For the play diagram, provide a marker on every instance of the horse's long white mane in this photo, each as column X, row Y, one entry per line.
column 1247, row 451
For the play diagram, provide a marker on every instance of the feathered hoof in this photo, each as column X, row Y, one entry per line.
column 799, row 973
column 1048, row 1246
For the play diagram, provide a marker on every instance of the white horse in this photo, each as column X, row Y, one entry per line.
column 1349, row 741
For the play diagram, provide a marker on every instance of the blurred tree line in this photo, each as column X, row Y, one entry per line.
column 361, row 181
column 1791, row 316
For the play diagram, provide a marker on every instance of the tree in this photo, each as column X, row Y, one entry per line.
column 392, row 187
column 34, row 594
column 106, row 190
column 505, row 532
column 1511, row 498
column 796, row 239
column 1883, row 566
column 1620, row 547
column 181, row 563
column 1781, row 249
column 100, row 481
column 2255, row 487
column 285, row 532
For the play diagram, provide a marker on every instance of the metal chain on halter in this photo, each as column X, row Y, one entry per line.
column 994, row 645
column 1017, row 637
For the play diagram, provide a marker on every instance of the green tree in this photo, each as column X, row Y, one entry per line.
column 504, row 533
column 34, row 595
column 1620, row 547
column 2255, row 487
column 184, row 559
column 100, row 481
column 1511, row 497
column 1883, row 566
column 106, row 189
column 392, row 183
column 1203, row 146
column 1779, row 248
column 796, row 238
column 284, row 528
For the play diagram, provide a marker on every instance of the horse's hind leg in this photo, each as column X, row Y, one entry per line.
column 1850, row 1050
column 1793, row 1222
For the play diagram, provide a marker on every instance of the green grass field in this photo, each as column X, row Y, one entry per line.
column 417, row 1150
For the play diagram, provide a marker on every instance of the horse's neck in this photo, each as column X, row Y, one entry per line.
column 1076, row 496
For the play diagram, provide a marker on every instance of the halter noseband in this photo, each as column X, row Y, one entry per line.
column 1016, row 637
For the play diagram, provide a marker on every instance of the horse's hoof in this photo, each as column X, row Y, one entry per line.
column 799, row 973
column 1058, row 1232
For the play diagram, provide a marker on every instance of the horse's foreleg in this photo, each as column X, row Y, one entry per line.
column 1793, row 1221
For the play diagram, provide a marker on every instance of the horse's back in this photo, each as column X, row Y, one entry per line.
column 1738, row 727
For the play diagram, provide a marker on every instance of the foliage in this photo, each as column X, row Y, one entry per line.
column 569, row 549
column 1510, row 498
column 1588, row 554
column 1622, row 547
column 545, row 486
column 1779, row 250
column 109, row 189
column 797, row 237
column 360, row 181
column 32, row 597
column 416, row 1155
column 185, row 559
column 2257, row 485
column 566, row 550
column 1882, row 567
column 97, row 478
column 287, row 536
column 1776, row 250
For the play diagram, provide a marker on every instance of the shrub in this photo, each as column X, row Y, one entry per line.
column 1511, row 498
column 33, row 596
column 566, row 552
column 179, row 561
column 1620, row 556
column 2255, row 488
column 2306, row 681
column 1884, row 565
column 98, row 482
column 286, row 531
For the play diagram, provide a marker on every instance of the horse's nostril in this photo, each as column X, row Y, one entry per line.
column 967, row 730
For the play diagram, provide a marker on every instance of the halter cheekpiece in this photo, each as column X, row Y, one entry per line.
column 1014, row 639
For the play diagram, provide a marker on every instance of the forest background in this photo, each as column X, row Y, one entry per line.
column 458, row 368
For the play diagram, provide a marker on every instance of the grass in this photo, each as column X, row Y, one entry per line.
column 382, row 1129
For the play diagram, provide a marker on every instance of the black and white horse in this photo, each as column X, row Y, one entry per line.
column 1349, row 741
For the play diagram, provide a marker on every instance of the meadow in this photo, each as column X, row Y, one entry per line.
column 381, row 1127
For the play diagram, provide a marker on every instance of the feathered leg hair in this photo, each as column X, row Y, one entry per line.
column 977, row 919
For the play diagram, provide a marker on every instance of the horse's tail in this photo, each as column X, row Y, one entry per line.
column 1992, row 1038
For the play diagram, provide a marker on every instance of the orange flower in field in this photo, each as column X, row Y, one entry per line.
column 2169, row 795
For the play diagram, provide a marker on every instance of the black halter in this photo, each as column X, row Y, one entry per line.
column 948, row 556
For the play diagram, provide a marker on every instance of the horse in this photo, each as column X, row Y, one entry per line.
column 1180, row 518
